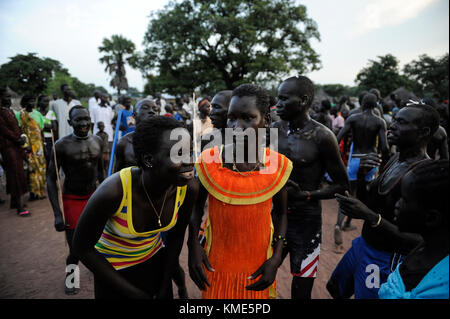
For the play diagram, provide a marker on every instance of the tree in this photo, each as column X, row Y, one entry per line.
column 430, row 74
column 214, row 45
column 118, row 51
column 383, row 74
column 29, row 73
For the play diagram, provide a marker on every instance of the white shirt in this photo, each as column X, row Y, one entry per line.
column 105, row 115
column 61, row 109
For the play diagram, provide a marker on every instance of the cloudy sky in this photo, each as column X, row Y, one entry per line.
column 352, row 32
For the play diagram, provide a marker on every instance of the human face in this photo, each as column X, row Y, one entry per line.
column 68, row 93
column 28, row 104
column 243, row 114
column 403, row 132
column 43, row 104
column 290, row 104
column 205, row 109
column 409, row 214
column 144, row 109
column 127, row 103
column 80, row 121
column 219, row 111
column 6, row 100
column 178, row 173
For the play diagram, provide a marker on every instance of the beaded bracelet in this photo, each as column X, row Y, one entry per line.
column 279, row 237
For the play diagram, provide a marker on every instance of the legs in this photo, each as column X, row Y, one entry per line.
column 178, row 278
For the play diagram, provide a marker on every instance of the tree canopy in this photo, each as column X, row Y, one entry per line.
column 431, row 75
column 29, row 73
column 214, row 45
column 118, row 51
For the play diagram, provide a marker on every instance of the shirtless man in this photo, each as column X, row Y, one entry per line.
column 376, row 253
column 365, row 128
column 313, row 149
column 80, row 156
column 124, row 149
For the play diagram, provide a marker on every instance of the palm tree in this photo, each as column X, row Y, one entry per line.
column 119, row 50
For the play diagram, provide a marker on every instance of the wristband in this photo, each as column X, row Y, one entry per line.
column 308, row 196
column 378, row 222
column 276, row 239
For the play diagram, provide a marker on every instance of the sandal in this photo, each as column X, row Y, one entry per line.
column 24, row 213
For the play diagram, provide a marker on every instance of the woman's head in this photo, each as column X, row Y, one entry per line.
column 27, row 102
column 423, row 206
column 153, row 147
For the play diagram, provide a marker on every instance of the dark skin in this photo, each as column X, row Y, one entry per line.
column 313, row 150
column 75, row 155
column 43, row 104
column 365, row 128
column 411, row 141
column 242, row 113
column 438, row 146
column 105, row 202
column 124, row 149
column 412, row 216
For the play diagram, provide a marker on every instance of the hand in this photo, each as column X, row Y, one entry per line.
column 354, row 208
column 59, row 224
column 370, row 161
column 268, row 270
column 197, row 258
column 294, row 191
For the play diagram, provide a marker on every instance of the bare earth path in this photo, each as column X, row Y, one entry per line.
column 32, row 256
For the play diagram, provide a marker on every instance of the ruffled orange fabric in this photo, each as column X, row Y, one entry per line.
column 239, row 228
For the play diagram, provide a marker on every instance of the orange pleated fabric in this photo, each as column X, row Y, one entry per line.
column 239, row 227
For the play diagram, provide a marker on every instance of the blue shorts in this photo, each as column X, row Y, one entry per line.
column 363, row 269
column 353, row 167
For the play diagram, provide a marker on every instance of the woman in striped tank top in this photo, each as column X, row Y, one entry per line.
column 132, row 229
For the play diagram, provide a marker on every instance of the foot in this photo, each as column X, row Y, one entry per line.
column 23, row 213
column 348, row 228
column 337, row 235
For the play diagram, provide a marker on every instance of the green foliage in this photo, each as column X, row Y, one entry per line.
column 29, row 73
column 81, row 89
column 214, row 45
column 118, row 51
column 431, row 75
column 383, row 74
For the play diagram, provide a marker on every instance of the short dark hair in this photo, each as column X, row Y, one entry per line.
column 148, row 132
column 261, row 94
column 76, row 107
column 431, row 183
column 326, row 104
column 25, row 98
column 63, row 86
column 304, row 85
column 430, row 117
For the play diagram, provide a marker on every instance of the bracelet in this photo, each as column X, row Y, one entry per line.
column 378, row 222
column 308, row 196
column 276, row 239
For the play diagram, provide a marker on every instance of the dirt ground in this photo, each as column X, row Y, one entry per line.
column 32, row 256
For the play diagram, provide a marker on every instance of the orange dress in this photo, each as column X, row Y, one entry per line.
column 239, row 227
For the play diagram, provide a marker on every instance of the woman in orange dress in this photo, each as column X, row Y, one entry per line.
column 243, row 247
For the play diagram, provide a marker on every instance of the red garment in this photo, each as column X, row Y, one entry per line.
column 73, row 207
column 12, row 154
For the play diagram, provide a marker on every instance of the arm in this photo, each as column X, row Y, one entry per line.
column 347, row 127
column 354, row 208
column 100, row 207
column 197, row 255
column 119, row 155
column 443, row 147
column 52, row 186
column 175, row 238
column 268, row 270
column 384, row 145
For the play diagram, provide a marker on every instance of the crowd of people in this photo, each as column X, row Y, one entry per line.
column 385, row 161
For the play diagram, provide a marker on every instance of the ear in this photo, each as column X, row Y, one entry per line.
column 147, row 159
column 433, row 219
column 425, row 132
column 304, row 100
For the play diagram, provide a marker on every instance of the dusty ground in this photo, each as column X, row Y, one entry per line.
column 32, row 256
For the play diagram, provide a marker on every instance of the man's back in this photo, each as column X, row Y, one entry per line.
column 365, row 129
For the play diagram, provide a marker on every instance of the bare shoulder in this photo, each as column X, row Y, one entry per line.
column 323, row 132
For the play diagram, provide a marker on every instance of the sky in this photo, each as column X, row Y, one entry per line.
column 352, row 33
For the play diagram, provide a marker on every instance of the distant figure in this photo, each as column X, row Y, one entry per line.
column 61, row 108
column 94, row 101
column 104, row 136
column 104, row 113
column 323, row 116
column 50, row 125
column 169, row 111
